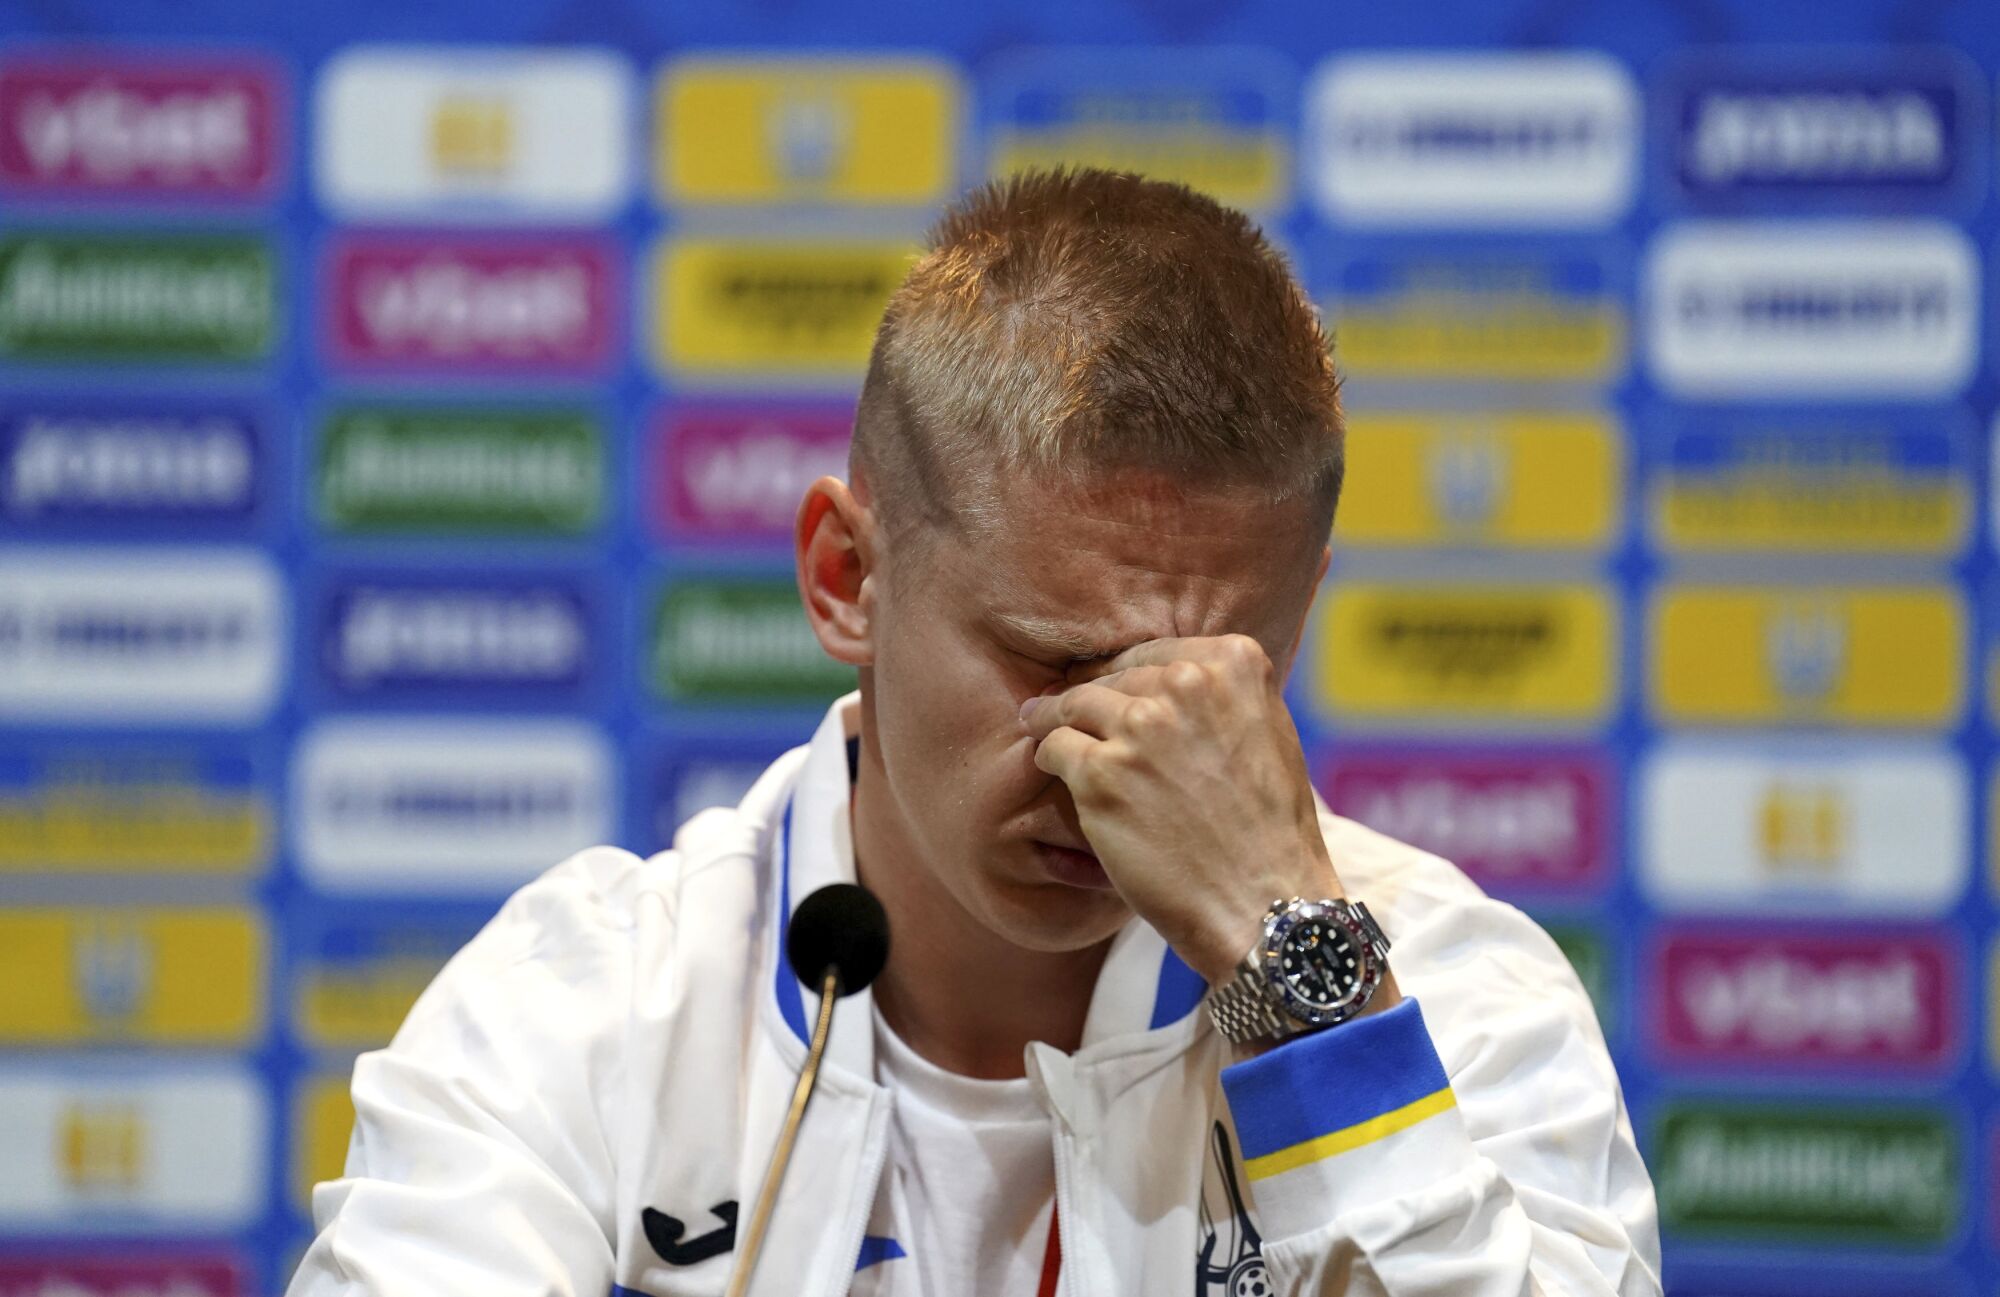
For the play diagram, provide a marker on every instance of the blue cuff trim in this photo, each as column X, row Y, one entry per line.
column 1330, row 1080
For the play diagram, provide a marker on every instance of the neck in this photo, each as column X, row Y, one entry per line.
column 959, row 994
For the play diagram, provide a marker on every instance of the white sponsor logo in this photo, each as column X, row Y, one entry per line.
column 162, row 1152
column 133, row 463
column 1505, row 827
column 140, row 635
column 702, row 786
column 1775, row 1002
column 448, row 805
column 469, row 635
column 1812, row 310
column 1880, row 830
column 1473, row 139
column 452, row 308
column 470, row 134
column 1820, row 135
column 113, row 134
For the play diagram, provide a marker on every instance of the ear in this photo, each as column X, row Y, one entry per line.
column 834, row 541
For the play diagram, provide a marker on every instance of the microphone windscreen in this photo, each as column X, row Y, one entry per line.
column 843, row 927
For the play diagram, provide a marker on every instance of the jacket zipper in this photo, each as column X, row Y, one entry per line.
column 1067, row 1284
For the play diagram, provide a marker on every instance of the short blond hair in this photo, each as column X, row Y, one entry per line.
column 1074, row 320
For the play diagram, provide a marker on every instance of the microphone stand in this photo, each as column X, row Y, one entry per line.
column 774, row 1175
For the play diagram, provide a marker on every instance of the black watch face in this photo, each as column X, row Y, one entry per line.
column 1320, row 963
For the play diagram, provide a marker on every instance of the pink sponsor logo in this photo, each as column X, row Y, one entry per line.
column 1851, row 997
column 497, row 305
column 92, row 124
column 1514, row 821
column 95, row 1276
column 738, row 472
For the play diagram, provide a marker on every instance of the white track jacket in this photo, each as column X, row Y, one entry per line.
column 591, row 1089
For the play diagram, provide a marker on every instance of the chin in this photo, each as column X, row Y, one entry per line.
column 1053, row 919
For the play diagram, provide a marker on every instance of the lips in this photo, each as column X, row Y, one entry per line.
column 1072, row 867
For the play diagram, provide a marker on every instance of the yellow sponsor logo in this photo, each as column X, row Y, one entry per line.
column 726, row 308
column 472, row 135
column 102, row 1146
column 156, row 976
column 1511, row 335
column 1519, row 481
column 1176, row 141
column 360, row 1005
column 1841, row 656
column 321, row 1126
column 1811, row 504
column 1483, row 654
column 79, row 819
column 807, row 130
column 1802, row 829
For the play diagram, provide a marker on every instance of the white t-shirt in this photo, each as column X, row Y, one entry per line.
column 968, row 1187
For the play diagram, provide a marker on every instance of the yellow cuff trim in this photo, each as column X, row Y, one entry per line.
column 1352, row 1137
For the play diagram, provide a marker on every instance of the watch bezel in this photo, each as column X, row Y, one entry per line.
column 1271, row 960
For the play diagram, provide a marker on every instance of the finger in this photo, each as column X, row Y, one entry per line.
column 1062, row 753
column 1222, row 652
column 1092, row 708
column 1138, row 682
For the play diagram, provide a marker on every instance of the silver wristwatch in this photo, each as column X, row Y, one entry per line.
column 1317, row 964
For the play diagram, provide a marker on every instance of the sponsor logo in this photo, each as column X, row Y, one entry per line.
column 1517, row 481
column 1864, row 997
column 357, row 981
column 133, row 976
column 322, row 1123
column 165, row 635
column 1805, row 828
column 1907, row 126
column 739, row 307
column 1526, row 819
column 163, row 1151
column 1218, row 120
column 1472, row 139
column 1830, row 655
column 1491, row 655
column 202, row 129
column 474, row 134
column 1812, row 485
column 440, row 805
column 405, row 469
column 538, row 305
column 743, row 641
column 1860, row 1175
column 739, row 473
column 1485, row 318
column 87, row 1275
column 808, row 130
column 1584, row 948
column 139, row 463
column 1812, row 310
column 525, row 638
column 136, row 298
column 131, row 809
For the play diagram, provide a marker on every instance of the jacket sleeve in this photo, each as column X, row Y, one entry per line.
column 478, row 1165
column 1474, row 1144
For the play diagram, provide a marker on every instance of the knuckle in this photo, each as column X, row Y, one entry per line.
column 1148, row 716
column 1184, row 679
column 1243, row 654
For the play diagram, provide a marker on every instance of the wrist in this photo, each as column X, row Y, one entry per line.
column 1234, row 925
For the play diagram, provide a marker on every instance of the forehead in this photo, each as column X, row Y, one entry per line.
column 1094, row 565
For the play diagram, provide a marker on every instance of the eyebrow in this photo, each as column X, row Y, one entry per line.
column 1053, row 636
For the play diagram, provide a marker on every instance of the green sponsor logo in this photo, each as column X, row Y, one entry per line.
column 117, row 297
column 1586, row 954
column 1784, row 1173
column 739, row 641
column 460, row 470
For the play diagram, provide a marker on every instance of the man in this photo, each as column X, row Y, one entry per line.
column 1095, row 464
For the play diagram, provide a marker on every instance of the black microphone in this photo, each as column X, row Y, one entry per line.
column 837, row 944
